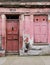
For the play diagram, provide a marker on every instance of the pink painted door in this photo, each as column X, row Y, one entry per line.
column 12, row 35
column 40, row 29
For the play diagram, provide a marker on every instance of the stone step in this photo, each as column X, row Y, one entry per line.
column 37, row 50
column 34, row 52
column 30, row 52
column 12, row 53
column 39, row 47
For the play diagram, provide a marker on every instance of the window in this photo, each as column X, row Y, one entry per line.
column 43, row 19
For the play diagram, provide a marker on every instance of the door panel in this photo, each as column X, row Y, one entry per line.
column 9, row 27
column 9, row 36
column 44, row 28
column 12, row 35
column 9, row 45
column 37, row 38
column 44, row 38
column 15, row 36
column 15, row 27
column 37, row 28
column 15, row 45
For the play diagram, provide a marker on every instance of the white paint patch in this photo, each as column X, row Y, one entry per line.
column 30, row 40
column 24, row 37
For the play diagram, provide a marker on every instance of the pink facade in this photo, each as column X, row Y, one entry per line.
column 34, row 24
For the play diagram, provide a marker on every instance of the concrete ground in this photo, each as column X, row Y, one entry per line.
column 25, row 60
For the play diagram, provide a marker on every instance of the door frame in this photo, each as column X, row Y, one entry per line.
column 18, row 31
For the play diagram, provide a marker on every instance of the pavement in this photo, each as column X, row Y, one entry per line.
column 24, row 60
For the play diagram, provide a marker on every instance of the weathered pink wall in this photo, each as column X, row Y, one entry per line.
column 26, row 24
column 3, row 18
column 49, row 31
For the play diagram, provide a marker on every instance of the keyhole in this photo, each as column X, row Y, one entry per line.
column 12, row 28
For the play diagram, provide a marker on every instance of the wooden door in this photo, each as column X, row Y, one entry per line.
column 40, row 29
column 12, row 35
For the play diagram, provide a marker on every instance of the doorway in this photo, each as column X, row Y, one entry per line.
column 12, row 33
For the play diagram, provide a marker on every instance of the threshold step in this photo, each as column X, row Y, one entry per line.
column 12, row 53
